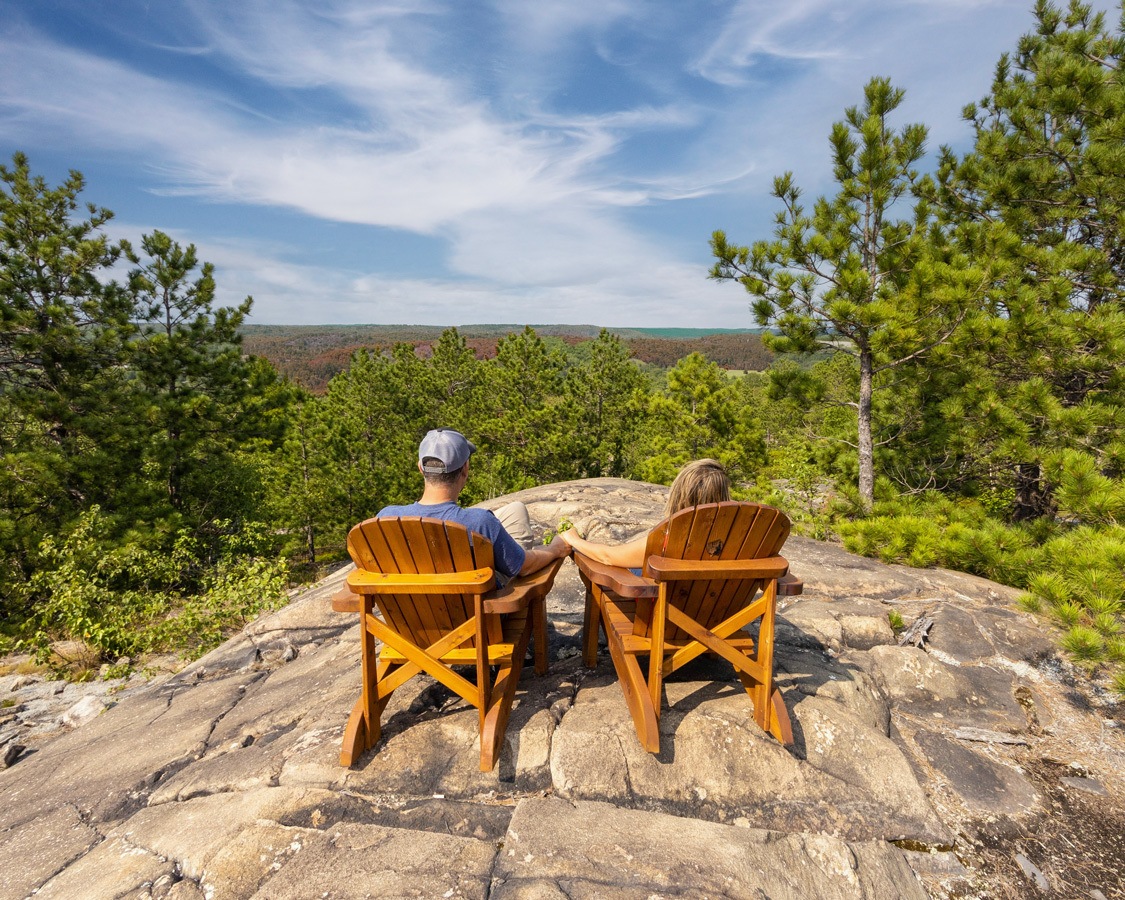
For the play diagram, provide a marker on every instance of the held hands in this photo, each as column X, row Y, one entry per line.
column 559, row 547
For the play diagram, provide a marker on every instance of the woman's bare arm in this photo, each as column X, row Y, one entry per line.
column 630, row 555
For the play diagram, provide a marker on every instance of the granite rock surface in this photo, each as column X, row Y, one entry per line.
column 941, row 771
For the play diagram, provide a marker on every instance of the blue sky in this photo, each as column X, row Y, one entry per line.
column 458, row 162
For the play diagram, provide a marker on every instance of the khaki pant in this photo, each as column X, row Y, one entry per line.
column 517, row 523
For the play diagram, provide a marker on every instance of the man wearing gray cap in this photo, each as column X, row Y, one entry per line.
column 443, row 460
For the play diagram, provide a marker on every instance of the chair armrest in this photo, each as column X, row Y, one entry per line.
column 665, row 569
column 621, row 581
column 522, row 589
column 474, row 581
column 345, row 601
column 790, row 586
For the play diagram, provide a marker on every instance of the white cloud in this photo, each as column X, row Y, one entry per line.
column 382, row 114
column 417, row 171
column 635, row 290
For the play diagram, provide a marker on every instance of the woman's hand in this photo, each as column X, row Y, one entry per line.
column 570, row 536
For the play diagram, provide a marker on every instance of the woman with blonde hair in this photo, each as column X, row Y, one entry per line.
column 702, row 481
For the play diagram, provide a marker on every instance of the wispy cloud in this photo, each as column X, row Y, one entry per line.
column 423, row 157
column 527, row 140
column 606, row 293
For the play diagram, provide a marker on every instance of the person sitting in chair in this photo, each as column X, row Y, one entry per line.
column 702, row 481
column 443, row 460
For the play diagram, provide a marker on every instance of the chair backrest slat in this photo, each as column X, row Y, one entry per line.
column 461, row 550
column 410, row 545
column 719, row 532
column 694, row 597
column 695, row 545
column 417, row 541
column 718, row 543
column 369, row 550
column 767, row 533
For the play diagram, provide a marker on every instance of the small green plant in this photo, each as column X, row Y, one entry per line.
column 564, row 525
column 1084, row 645
column 1115, row 650
column 1068, row 613
column 1049, row 587
column 121, row 670
column 1030, row 602
column 896, row 620
column 7, row 704
column 1118, row 683
column 1097, row 585
column 1106, row 624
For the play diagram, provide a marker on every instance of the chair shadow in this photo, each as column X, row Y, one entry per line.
column 433, row 700
column 803, row 663
column 717, row 678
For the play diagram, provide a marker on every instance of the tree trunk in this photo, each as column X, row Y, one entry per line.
column 866, row 449
column 1033, row 501
column 310, row 531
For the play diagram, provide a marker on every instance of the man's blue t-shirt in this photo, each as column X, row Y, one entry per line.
column 507, row 554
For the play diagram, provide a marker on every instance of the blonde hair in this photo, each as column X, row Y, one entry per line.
column 702, row 481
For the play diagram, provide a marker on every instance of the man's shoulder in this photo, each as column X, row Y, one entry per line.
column 410, row 509
column 471, row 517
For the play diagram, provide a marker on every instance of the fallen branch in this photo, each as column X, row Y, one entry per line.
column 917, row 633
column 988, row 737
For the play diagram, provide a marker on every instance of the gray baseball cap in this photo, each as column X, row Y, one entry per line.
column 452, row 448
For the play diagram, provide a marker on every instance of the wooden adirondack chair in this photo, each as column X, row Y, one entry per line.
column 433, row 585
column 710, row 572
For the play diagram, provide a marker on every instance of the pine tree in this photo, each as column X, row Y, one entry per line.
column 376, row 413
column 300, row 479
column 1043, row 194
column 454, row 383
column 203, row 403
column 849, row 277
column 698, row 414
column 524, row 434
column 64, row 326
column 604, row 391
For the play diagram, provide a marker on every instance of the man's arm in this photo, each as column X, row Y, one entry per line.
column 537, row 557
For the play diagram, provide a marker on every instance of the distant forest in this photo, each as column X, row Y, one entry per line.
column 312, row 354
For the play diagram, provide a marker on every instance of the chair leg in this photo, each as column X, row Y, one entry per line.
column 780, row 726
column 495, row 722
column 355, row 734
column 591, row 622
column 646, row 715
column 538, row 613
column 770, row 712
column 656, row 655
column 363, row 729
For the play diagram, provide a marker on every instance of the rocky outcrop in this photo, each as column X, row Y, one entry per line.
column 973, row 766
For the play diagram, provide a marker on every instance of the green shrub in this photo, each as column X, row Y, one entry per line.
column 128, row 599
column 235, row 593
column 1030, row 602
column 86, row 591
column 1106, row 624
column 1098, row 585
column 1084, row 644
column 1115, row 650
column 1049, row 587
column 1068, row 613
